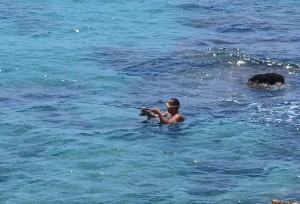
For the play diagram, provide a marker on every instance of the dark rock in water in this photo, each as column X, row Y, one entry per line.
column 275, row 201
column 266, row 80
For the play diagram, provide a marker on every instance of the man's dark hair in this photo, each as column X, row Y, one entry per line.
column 176, row 102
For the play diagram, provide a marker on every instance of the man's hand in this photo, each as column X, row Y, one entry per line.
column 155, row 110
column 143, row 109
column 146, row 111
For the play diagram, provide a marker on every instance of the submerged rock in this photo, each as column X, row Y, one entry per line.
column 266, row 80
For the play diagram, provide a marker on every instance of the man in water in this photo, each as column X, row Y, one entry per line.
column 172, row 116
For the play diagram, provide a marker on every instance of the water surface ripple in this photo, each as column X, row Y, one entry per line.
column 74, row 72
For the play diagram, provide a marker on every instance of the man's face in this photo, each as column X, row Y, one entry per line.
column 171, row 103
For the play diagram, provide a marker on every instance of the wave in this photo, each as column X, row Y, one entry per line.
column 183, row 61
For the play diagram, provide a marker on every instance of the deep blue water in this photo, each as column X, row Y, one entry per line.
column 73, row 72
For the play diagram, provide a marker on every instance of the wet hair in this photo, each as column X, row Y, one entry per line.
column 175, row 102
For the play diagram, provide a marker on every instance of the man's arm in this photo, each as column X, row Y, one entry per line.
column 149, row 115
column 174, row 119
column 162, row 117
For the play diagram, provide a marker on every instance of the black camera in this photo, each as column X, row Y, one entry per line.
column 143, row 114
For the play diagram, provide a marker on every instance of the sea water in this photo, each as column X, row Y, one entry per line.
column 73, row 73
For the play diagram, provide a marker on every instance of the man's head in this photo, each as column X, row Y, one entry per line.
column 173, row 105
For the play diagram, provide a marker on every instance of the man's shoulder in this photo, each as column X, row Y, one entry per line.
column 179, row 117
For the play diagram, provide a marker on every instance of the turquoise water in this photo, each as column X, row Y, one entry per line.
column 73, row 72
